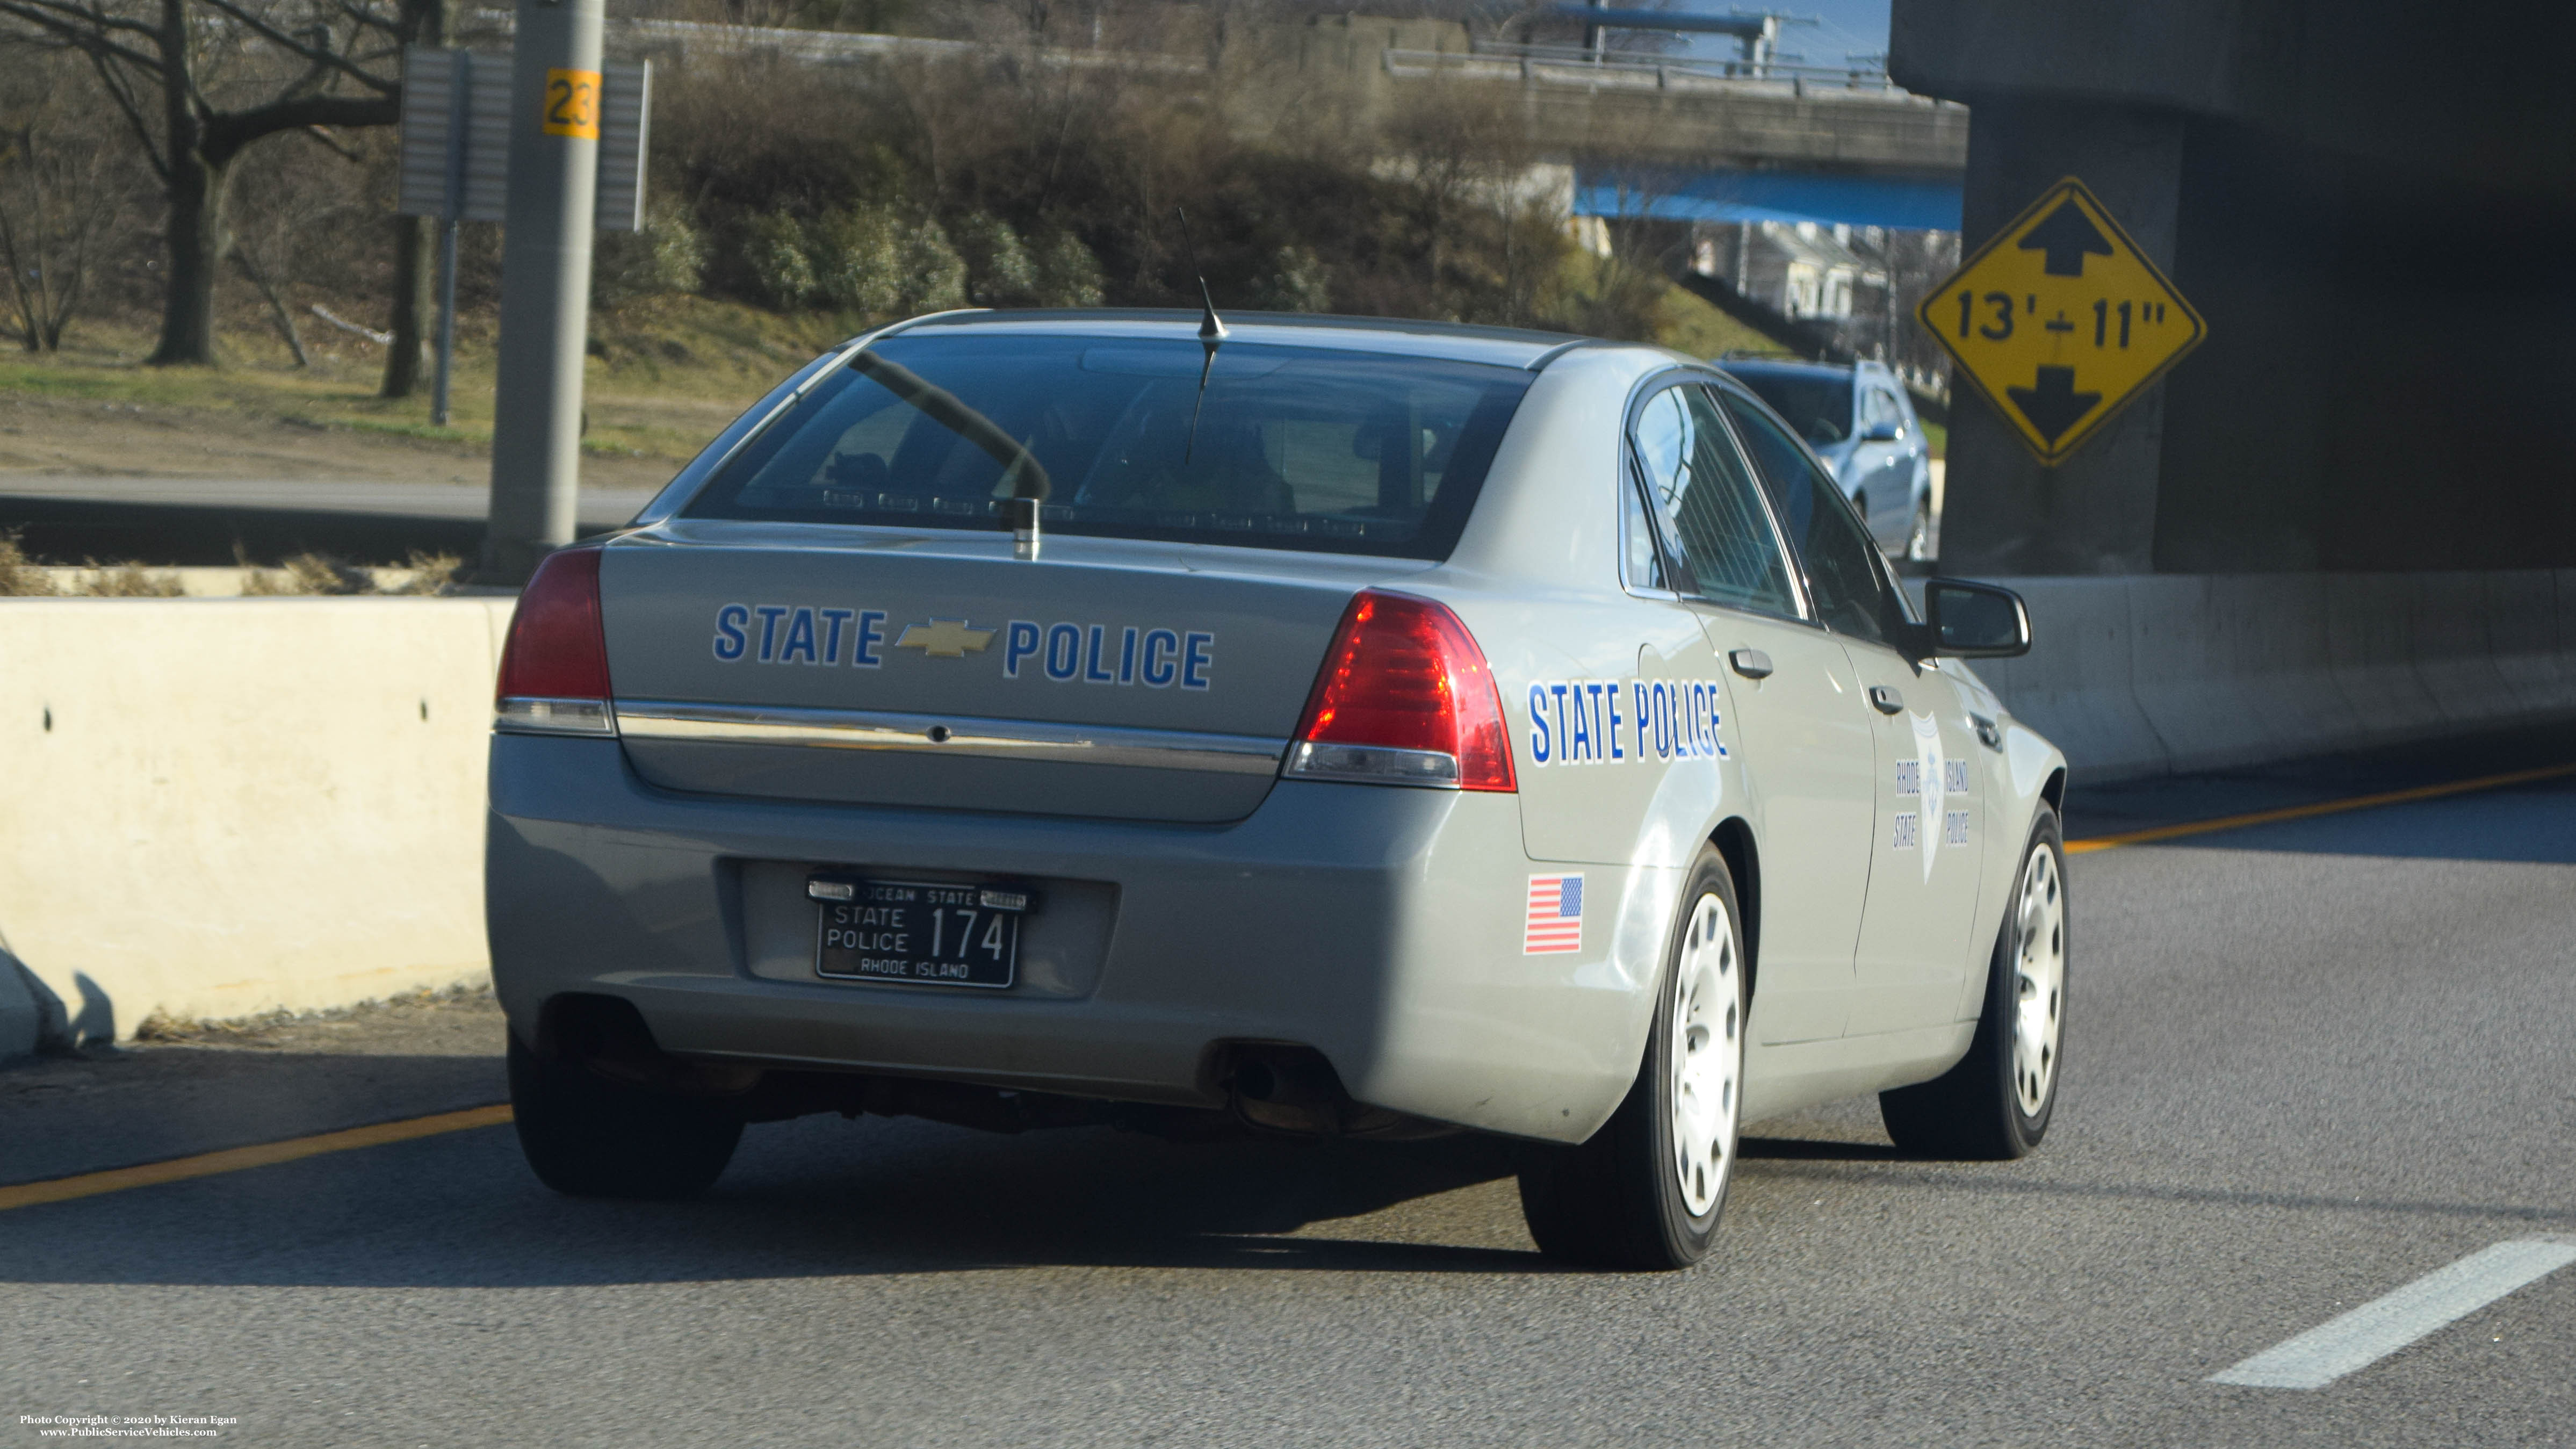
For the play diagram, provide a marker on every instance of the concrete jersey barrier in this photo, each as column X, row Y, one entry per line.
column 217, row 808
column 2166, row 673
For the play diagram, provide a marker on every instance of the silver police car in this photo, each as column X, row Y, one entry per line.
column 1287, row 725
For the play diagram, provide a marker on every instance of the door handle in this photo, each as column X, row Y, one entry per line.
column 1885, row 700
column 1751, row 663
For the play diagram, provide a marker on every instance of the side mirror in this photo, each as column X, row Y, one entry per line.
column 1883, row 433
column 1974, row 621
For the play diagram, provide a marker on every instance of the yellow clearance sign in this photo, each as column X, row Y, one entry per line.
column 2060, row 320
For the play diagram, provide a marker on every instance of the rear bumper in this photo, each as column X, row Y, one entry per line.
column 1381, row 926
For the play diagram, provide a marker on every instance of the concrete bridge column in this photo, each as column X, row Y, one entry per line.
column 2004, row 514
column 2376, row 230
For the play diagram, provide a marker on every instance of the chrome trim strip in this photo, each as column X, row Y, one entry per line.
column 993, row 739
column 1372, row 765
column 527, row 714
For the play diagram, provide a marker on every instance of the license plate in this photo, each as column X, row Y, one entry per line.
column 917, row 932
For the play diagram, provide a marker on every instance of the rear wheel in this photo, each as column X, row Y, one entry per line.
column 589, row 1137
column 1647, row 1191
column 1996, row 1102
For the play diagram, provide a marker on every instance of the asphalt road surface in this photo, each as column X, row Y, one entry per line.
column 600, row 507
column 2311, row 1063
column 181, row 521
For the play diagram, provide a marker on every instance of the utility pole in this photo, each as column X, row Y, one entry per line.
column 545, row 284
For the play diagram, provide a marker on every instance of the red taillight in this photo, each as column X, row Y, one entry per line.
column 556, row 649
column 1403, row 682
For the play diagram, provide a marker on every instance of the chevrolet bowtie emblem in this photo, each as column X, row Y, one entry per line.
column 944, row 638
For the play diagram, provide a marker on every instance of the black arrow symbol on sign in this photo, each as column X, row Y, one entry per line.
column 2066, row 236
column 2054, row 405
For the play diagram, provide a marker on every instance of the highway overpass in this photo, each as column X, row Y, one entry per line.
column 1791, row 142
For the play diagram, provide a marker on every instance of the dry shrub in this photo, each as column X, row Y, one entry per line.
column 21, row 577
column 431, row 573
column 128, row 580
column 319, row 575
column 306, row 574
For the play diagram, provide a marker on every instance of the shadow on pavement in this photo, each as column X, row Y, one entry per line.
column 2533, row 822
column 101, row 1108
column 814, row 1198
column 1789, row 1149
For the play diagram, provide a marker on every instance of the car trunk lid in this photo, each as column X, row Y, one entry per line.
column 1109, row 678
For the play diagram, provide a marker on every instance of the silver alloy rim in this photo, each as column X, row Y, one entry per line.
column 1918, row 539
column 1704, row 1057
column 2040, row 981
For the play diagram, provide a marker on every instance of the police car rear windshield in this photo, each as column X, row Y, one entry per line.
column 1818, row 404
column 1278, row 447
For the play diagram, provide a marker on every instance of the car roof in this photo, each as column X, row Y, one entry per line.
column 1459, row 342
column 1785, row 366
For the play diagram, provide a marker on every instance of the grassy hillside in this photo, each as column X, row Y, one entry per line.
column 665, row 374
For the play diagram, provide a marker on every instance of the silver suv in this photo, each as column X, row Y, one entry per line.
column 1861, row 423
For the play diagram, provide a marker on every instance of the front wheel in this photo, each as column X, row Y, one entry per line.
column 1647, row 1190
column 1995, row 1104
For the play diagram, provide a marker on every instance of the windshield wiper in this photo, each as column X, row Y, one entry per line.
column 1021, row 469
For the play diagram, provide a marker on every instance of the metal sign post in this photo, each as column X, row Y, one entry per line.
column 545, row 283
column 556, row 151
column 456, row 154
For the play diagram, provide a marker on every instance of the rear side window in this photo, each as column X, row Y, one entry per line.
column 1710, row 508
column 1853, row 592
column 1265, row 447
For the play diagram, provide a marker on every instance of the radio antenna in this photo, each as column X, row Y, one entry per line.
column 1212, row 334
column 1212, row 330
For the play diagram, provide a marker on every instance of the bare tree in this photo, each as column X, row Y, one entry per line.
column 201, row 81
column 284, row 197
column 62, row 199
column 431, row 23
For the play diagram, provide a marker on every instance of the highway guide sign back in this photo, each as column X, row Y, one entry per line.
column 2061, row 320
column 455, row 158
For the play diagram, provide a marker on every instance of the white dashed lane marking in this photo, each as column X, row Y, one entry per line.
column 2384, row 1325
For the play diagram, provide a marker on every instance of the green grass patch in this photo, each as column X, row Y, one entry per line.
column 1687, row 322
column 664, row 376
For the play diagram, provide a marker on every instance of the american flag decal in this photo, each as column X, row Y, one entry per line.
column 1555, row 919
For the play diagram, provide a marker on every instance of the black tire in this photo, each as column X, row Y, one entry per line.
column 589, row 1137
column 1977, row 1110
column 1617, row 1201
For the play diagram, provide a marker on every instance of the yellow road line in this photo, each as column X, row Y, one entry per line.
column 235, row 1159
column 2322, row 807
